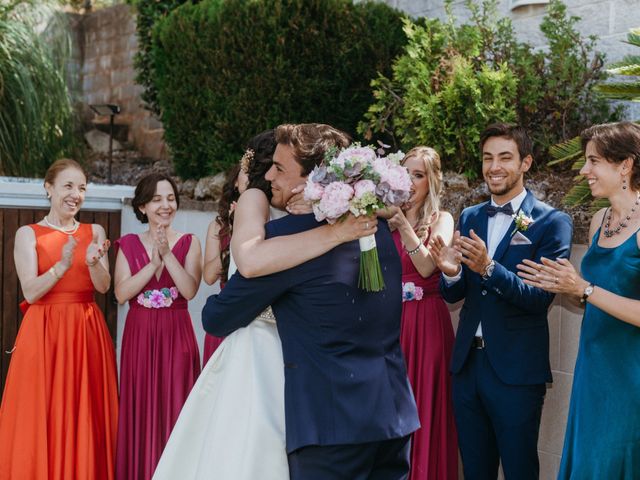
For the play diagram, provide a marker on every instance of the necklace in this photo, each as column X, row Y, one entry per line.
column 68, row 231
column 623, row 223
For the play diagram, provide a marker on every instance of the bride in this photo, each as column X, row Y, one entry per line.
column 232, row 426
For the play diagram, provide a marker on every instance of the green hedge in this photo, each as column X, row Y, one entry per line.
column 227, row 69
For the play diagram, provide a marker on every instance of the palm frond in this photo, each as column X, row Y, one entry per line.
column 629, row 70
column 620, row 91
column 565, row 151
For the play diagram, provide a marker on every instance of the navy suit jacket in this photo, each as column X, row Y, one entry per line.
column 513, row 315
column 345, row 376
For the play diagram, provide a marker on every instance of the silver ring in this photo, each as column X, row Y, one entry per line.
column 557, row 280
column 366, row 225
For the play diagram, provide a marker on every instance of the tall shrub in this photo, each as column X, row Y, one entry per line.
column 551, row 92
column 36, row 115
column 226, row 70
column 148, row 13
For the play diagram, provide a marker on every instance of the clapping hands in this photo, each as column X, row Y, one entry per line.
column 447, row 257
column 557, row 276
column 67, row 252
column 95, row 251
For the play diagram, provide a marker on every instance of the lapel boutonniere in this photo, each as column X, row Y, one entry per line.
column 523, row 222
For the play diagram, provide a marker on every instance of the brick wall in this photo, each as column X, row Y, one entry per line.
column 106, row 44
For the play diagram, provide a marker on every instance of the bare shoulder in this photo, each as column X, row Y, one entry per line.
column 25, row 234
column 445, row 217
column 253, row 196
column 98, row 230
column 253, row 203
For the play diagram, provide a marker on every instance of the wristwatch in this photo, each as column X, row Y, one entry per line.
column 488, row 270
column 588, row 290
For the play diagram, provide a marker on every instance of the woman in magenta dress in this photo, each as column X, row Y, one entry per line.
column 157, row 272
column 426, row 334
column 217, row 248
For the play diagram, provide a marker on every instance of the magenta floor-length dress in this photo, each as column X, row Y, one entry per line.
column 426, row 337
column 159, row 364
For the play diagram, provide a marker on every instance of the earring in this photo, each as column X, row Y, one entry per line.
column 48, row 196
column 624, row 183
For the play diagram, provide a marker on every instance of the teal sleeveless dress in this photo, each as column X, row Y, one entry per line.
column 602, row 440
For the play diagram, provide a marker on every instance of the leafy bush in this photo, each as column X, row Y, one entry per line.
column 550, row 92
column 36, row 115
column 148, row 12
column 225, row 70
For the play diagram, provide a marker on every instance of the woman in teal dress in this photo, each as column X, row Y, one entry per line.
column 602, row 439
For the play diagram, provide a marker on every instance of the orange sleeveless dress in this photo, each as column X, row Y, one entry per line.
column 59, row 410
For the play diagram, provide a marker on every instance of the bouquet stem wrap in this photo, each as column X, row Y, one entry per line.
column 370, row 279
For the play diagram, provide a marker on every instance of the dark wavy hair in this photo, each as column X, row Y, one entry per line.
column 616, row 142
column 263, row 146
column 146, row 189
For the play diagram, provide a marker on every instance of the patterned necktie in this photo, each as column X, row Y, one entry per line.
column 506, row 209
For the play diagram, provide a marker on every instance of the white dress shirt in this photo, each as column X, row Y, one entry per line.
column 496, row 230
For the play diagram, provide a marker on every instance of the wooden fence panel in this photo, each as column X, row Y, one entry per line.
column 10, row 316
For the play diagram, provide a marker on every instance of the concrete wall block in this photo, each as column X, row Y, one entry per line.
column 554, row 333
column 625, row 15
column 554, row 414
column 570, row 325
column 549, row 466
column 594, row 18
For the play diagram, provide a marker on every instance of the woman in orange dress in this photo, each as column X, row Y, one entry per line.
column 58, row 416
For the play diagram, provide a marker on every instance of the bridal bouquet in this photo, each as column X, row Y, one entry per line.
column 356, row 180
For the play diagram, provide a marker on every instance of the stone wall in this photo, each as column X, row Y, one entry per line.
column 106, row 43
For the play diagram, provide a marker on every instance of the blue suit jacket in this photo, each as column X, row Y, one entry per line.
column 345, row 377
column 513, row 315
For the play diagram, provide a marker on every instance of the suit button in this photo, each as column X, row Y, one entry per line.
column 483, row 292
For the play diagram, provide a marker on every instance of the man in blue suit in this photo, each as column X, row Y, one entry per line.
column 500, row 361
column 348, row 404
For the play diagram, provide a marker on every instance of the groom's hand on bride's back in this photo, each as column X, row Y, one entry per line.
column 297, row 205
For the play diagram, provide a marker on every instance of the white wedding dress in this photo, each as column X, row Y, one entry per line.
column 232, row 425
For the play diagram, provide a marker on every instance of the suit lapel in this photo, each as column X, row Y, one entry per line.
column 480, row 223
column 525, row 208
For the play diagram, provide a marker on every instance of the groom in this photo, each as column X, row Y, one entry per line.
column 348, row 405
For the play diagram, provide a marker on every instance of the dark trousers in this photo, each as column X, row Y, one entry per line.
column 384, row 460
column 496, row 422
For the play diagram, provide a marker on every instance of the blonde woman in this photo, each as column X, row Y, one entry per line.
column 426, row 334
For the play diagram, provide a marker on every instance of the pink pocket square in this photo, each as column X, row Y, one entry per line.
column 519, row 239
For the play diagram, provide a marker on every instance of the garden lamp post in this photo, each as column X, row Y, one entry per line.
column 111, row 110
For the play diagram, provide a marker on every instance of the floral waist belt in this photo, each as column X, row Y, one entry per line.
column 411, row 292
column 161, row 298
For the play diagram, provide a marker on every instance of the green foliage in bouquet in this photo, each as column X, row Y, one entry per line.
column 452, row 80
column 225, row 70
column 36, row 114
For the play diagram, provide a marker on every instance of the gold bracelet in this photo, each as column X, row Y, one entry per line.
column 53, row 272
